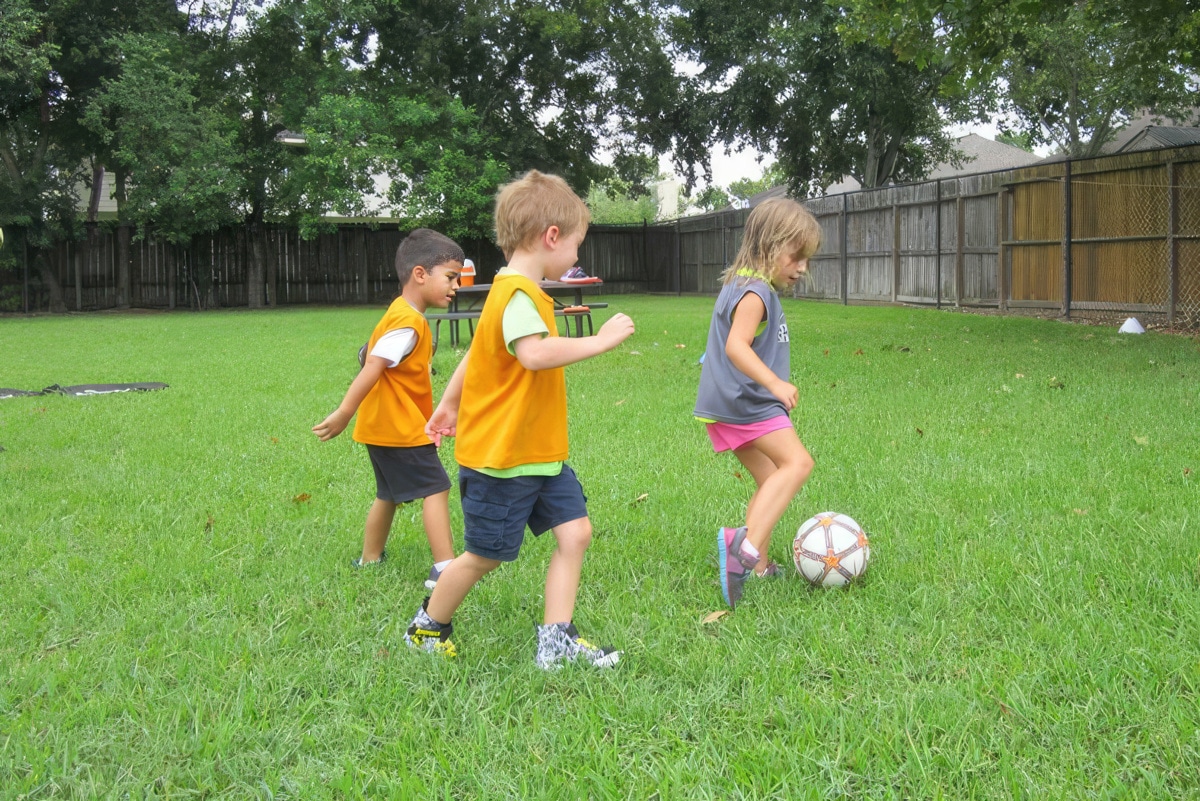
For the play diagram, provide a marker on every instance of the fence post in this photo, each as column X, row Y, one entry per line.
column 845, row 232
column 678, row 262
column 895, row 247
column 1172, row 247
column 1066, row 242
column 937, row 236
column 959, row 246
column 1001, row 252
column 25, row 265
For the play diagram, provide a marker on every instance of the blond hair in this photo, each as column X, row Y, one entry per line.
column 529, row 205
column 775, row 226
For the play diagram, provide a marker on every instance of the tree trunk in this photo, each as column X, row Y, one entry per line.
column 256, row 268
column 50, row 282
column 89, row 248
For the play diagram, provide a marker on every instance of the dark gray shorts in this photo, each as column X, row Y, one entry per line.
column 405, row 474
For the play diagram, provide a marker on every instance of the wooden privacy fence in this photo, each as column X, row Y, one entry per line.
column 1114, row 235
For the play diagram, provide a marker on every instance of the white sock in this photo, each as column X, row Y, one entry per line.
column 442, row 565
column 749, row 551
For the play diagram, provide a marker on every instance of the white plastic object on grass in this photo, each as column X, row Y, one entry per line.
column 1131, row 326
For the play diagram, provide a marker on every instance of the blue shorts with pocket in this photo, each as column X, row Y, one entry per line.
column 497, row 510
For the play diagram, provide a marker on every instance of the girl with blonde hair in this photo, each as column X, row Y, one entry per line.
column 746, row 393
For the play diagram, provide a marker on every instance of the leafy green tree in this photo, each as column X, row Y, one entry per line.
column 781, row 76
column 615, row 201
column 53, row 60
column 746, row 188
column 435, row 162
column 1070, row 70
column 549, row 82
column 710, row 198
column 178, row 154
column 1074, row 78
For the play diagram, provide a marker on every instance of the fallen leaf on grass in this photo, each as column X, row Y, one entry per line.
column 713, row 617
column 1020, row 375
column 635, row 353
column 858, row 352
column 640, row 498
column 1142, row 440
column 827, row 351
column 275, row 440
column 1187, row 471
column 1054, row 383
column 905, row 350
column 736, row 474
column 920, row 433
column 208, row 524
column 618, row 403
column 681, row 346
column 303, row 497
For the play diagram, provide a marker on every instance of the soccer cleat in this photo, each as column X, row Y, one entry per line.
column 559, row 643
column 360, row 563
column 732, row 564
column 427, row 634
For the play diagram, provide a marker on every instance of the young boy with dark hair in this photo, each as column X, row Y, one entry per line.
column 507, row 402
column 393, row 397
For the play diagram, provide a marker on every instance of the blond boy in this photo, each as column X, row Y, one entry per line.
column 507, row 404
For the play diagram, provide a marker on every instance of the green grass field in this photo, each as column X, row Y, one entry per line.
column 179, row 618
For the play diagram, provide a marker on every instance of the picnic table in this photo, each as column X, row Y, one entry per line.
column 468, row 304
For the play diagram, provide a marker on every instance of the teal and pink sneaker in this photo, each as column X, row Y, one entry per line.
column 733, row 565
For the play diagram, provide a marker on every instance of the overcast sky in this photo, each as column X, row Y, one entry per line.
column 729, row 168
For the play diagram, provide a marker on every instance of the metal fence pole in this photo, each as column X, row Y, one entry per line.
column 937, row 235
column 1066, row 242
column 1172, row 247
column 845, row 232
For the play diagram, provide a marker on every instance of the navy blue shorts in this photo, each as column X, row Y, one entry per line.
column 497, row 510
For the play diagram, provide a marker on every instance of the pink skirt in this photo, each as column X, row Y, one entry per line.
column 731, row 436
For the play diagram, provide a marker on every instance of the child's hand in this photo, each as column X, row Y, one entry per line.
column 331, row 426
column 443, row 423
column 616, row 329
column 785, row 393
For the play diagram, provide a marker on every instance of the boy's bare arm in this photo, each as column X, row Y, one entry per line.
column 739, row 348
column 444, row 421
column 544, row 353
column 340, row 417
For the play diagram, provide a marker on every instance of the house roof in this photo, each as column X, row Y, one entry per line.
column 981, row 154
column 1154, row 137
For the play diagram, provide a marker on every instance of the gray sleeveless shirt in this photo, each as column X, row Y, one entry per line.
column 726, row 394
